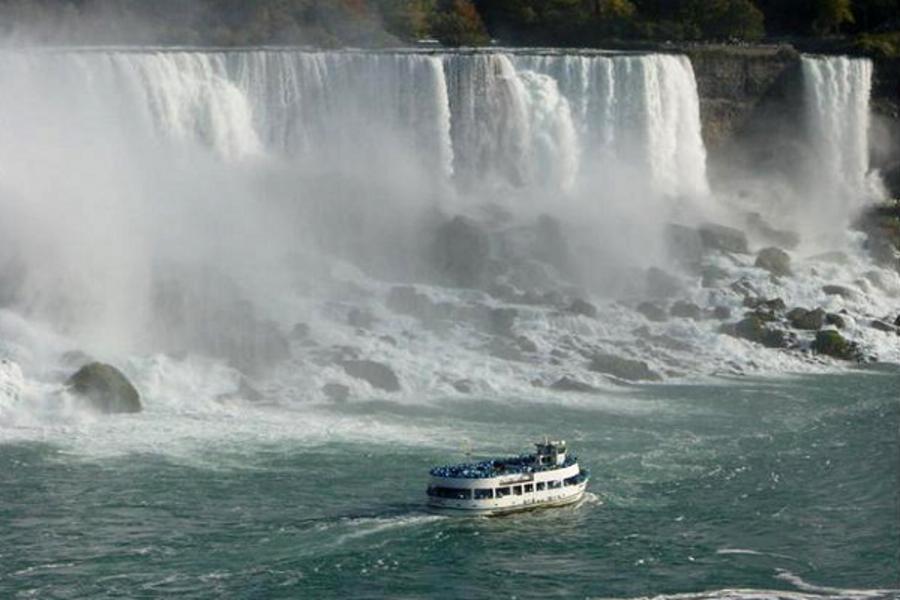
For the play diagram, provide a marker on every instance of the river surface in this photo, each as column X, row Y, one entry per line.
column 729, row 488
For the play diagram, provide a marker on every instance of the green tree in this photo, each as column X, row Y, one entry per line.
column 831, row 14
column 725, row 19
column 458, row 23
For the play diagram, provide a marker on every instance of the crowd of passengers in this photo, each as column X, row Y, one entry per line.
column 493, row 468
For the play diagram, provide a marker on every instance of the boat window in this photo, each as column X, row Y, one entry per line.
column 529, row 488
column 451, row 493
column 482, row 494
column 540, row 486
column 572, row 480
column 517, row 490
column 554, row 485
column 501, row 492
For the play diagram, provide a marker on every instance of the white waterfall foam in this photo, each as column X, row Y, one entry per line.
column 837, row 92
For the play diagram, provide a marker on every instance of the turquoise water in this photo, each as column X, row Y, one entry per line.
column 724, row 489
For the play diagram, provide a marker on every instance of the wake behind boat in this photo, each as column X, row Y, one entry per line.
column 549, row 477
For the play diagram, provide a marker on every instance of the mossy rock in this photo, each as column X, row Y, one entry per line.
column 831, row 343
column 774, row 260
column 623, row 368
column 106, row 388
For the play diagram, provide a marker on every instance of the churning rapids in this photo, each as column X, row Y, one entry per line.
column 286, row 249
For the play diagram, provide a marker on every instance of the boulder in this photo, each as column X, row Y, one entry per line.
column 897, row 321
column 882, row 326
column 105, row 388
column 839, row 290
column 721, row 313
column 755, row 330
column 378, row 375
column 405, row 300
column 773, row 305
column 686, row 310
column 661, row 284
column 623, row 368
column 684, row 244
column 336, row 392
column 712, row 276
column 831, row 343
column 835, row 320
column 567, row 384
column 463, row 386
column 582, row 307
column 652, row 311
column 774, row 260
column 526, row 344
column 781, row 237
column 501, row 320
column 809, row 320
column 360, row 318
column 460, row 252
column 724, row 239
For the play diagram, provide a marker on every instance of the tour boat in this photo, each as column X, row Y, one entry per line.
column 549, row 477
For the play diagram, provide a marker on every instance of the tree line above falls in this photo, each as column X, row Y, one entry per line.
column 868, row 26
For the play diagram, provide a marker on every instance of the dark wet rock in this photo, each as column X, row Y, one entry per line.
column 460, row 252
column 504, row 349
column 774, row 305
column 405, row 300
column 623, row 368
column 661, row 341
column 882, row 326
column 721, row 313
column 105, row 388
column 881, row 223
column 551, row 245
column 661, row 284
column 839, row 290
column 502, row 320
column 743, row 287
column 378, row 375
column 75, row 359
column 684, row 244
column 463, row 386
column 755, row 330
column 836, row 257
column 835, row 320
column 300, row 331
column 361, row 319
column 779, row 237
column 686, row 310
column 568, row 384
column 724, row 239
column 652, row 311
column 897, row 321
column 525, row 344
column 582, row 307
column 336, row 392
column 713, row 276
column 809, row 320
column 205, row 312
column 831, row 343
column 774, row 260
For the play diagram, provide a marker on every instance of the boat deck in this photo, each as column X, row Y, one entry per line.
column 498, row 467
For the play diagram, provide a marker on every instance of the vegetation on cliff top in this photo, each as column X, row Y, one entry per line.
column 868, row 25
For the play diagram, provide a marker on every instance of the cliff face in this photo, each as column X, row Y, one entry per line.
column 751, row 103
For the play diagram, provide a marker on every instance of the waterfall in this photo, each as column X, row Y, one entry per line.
column 837, row 91
column 517, row 119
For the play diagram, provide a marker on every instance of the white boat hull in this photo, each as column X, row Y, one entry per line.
column 461, row 508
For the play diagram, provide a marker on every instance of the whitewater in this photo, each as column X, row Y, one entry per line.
column 233, row 228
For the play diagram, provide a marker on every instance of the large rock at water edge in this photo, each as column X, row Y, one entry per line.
column 754, row 329
column 378, row 375
column 774, row 260
column 832, row 343
column 106, row 388
column 623, row 368
column 724, row 239
column 810, row 320
column 460, row 252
